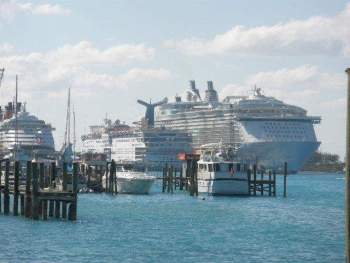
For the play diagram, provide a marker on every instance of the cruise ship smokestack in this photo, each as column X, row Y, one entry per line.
column 194, row 89
column 210, row 85
column 193, row 85
column 210, row 94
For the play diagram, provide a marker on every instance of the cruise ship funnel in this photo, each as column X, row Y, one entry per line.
column 149, row 116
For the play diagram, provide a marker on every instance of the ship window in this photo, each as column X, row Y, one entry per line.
column 238, row 167
column 210, row 167
column 217, row 167
column 201, row 167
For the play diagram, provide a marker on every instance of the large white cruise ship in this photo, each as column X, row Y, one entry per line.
column 155, row 147
column 261, row 129
column 32, row 136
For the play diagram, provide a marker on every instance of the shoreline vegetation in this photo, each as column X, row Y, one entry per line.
column 324, row 162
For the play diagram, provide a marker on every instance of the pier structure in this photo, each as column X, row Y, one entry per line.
column 261, row 182
column 35, row 191
column 100, row 176
column 93, row 172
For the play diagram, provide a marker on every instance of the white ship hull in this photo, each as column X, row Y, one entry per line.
column 134, row 185
column 262, row 129
column 223, row 183
column 131, row 182
column 273, row 154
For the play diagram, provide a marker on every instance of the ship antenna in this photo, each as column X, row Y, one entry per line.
column 67, row 132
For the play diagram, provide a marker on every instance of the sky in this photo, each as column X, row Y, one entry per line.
column 111, row 53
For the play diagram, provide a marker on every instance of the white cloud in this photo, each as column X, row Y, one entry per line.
column 6, row 48
column 47, row 9
column 316, row 35
column 301, row 85
column 82, row 66
column 92, row 82
column 9, row 9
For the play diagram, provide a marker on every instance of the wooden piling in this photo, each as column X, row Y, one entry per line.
column 28, row 199
column 254, row 179
column 41, row 183
column 270, row 183
column 262, row 182
column 44, row 209
column 16, row 188
column 191, row 174
column 171, row 179
column 106, row 177
column 195, row 176
column 88, row 171
column 285, row 180
column 249, row 175
column 73, row 206
column 64, row 188
column 42, row 175
column 274, row 183
column 185, row 167
column 192, row 168
column 100, row 175
column 181, row 180
column 6, row 188
column 165, row 178
column 114, row 177
column 35, row 189
column 22, row 206
column 57, row 209
column 53, row 173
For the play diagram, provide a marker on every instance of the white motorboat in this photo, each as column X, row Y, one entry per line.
column 217, row 175
column 132, row 182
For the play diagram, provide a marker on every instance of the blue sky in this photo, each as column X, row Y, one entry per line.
column 113, row 52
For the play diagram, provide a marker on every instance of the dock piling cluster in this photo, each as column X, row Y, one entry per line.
column 266, row 183
column 34, row 192
column 100, row 176
column 173, row 179
column 260, row 181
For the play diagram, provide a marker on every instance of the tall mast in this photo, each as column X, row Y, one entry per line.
column 74, row 138
column 1, row 75
column 67, row 132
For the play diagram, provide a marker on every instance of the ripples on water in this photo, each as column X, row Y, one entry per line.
column 307, row 226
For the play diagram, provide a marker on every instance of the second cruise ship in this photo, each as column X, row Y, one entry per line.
column 261, row 129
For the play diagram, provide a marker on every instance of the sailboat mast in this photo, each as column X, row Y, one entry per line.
column 67, row 132
column 74, row 138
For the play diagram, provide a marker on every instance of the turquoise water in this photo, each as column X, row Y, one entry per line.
column 308, row 226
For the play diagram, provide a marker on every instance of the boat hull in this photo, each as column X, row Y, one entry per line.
column 223, row 183
column 273, row 155
column 134, row 185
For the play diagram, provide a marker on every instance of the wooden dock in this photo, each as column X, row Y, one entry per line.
column 100, row 176
column 34, row 192
column 261, row 182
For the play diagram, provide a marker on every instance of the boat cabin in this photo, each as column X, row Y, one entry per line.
column 230, row 167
